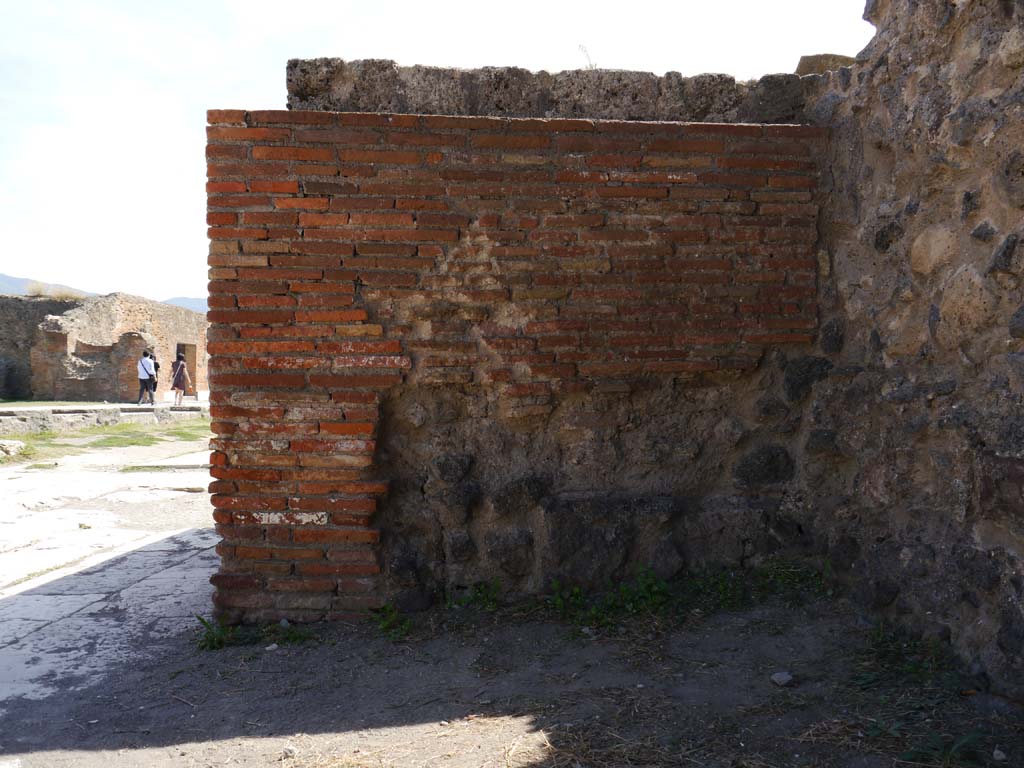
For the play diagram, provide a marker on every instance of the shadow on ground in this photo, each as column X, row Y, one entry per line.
column 123, row 684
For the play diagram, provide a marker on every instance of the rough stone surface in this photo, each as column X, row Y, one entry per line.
column 375, row 85
column 933, row 248
column 1017, row 323
column 19, row 318
column 928, row 117
column 801, row 373
column 11, row 447
column 765, row 466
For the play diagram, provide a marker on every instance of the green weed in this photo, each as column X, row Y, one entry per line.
column 714, row 591
column 568, row 601
column 124, row 441
column 945, row 751
column 287, row 634
column 707, row 592
column 196, row 432
column 214, row 635
column 485, row 595
column 44, row 446
column 732, row 589
column 645, row 594
column 394, row 625
column 892, row 657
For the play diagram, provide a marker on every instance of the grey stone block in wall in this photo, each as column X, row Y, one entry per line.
column 823, row 62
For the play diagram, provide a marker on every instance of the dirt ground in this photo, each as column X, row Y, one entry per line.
column 521, row 687
column 100, row 665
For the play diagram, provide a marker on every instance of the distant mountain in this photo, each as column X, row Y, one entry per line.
column 13, row 286
column 196, row 305
column 23, row 286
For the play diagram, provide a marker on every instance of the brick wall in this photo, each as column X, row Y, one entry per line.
column 532, row 259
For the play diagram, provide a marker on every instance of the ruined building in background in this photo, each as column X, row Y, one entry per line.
column 515, row 336
column 86, row 348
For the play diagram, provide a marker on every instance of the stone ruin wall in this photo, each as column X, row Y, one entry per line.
column 892, row 443
column 86, row 349
column 19, row 318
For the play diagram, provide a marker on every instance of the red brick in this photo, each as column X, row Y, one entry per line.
column 379, row 156
column 338, row 569
column 258, row 379
column 330, row 316
column 346, row 428
column 722, row 129
column 221, row 133
column 427, row 139
column 293, row 153
column 381, row 219
column 791, row 182
column 301, row 585
column 337, row 136
column 354, row 381
column 266, row 185
column 335, row 535
column 637, row 192
column 503, row 141
column 221, row 219
column 410, row 235
column 302, row 203
column 214, row 116
column 463, row 123
column 214, row 187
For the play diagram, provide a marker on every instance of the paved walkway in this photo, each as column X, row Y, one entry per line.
column 99, row 565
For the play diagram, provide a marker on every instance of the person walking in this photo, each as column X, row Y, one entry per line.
column 180, row 380
column 147, row 374
column 155, row 378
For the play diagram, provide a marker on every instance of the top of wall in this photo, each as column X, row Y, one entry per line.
column 380, row 85
column 102, row 319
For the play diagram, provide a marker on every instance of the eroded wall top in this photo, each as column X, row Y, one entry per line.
column 379, row 85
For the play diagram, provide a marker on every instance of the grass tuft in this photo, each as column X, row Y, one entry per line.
column 391, row 623
column 214, row 635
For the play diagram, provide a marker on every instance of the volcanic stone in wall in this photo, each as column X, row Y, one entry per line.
column 924, row 396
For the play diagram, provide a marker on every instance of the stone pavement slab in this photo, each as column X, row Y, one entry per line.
column 99, row 567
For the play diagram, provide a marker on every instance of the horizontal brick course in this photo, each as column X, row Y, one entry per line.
column 352, row 252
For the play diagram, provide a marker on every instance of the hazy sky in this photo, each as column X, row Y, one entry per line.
column 102, row 104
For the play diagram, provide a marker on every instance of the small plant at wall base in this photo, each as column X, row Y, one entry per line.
column 484, row 595
column 646, row 594
column 568, row 601
column 945, row 751
column 214, row 635
column 894, row 657
column 391, row 623
column 285, row 633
